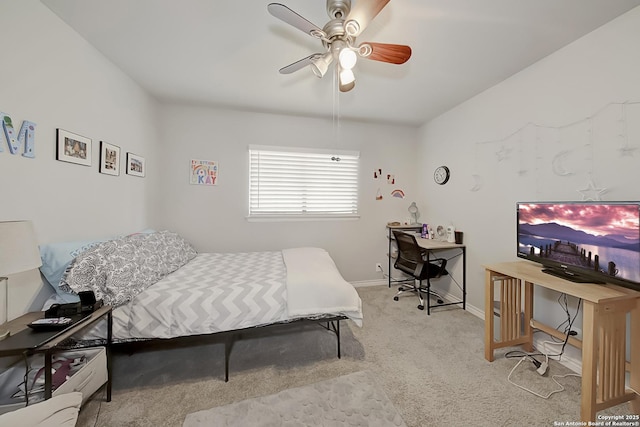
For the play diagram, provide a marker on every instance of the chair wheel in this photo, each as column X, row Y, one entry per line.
column 421, row 307
column 395, row 298
column 440, row 301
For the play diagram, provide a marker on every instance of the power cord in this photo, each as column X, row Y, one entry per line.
column 554, row 378
column 543, row 367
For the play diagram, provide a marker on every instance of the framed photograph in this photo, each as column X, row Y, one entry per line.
column 109, row 158
column 135, row 165
column 73, row 148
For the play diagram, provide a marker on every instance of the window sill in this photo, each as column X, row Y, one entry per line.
column 296, row 218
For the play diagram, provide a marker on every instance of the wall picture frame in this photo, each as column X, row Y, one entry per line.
column 136, row 165
column 73, row 148
column 109, row 159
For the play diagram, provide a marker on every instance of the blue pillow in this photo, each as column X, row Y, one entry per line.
column 56, row 257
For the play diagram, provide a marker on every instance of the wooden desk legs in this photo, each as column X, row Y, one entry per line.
column 488, row 316
column 516, row 310
column 604, row 343
column 634, row 381
column 604, row 358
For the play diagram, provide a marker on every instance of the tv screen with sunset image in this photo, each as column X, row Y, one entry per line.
column 582, row 241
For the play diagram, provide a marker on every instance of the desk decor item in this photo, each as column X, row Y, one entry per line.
column 109, row 159
column 415, row 213
column 18, row 253
column 73, row 148
column 135, row 165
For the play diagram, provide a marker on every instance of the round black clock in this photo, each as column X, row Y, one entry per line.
column 441, row 175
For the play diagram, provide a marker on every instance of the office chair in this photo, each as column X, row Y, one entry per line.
column 412, row 260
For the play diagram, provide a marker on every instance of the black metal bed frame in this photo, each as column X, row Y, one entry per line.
column 332, row 325
column 229, row 337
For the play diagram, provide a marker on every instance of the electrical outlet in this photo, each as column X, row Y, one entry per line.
column 378, row 267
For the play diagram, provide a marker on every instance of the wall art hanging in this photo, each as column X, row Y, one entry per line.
column 26, row 136
column 73, row 148
column 136, row 165
column 109, row 159
column 204, row 172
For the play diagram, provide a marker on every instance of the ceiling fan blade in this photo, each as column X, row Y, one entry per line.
column 385, row 52
column 287, row 15
column 292, row 68
column 362, row 13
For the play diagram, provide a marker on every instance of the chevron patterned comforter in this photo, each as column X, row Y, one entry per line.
column 213, row 292
column 209, row 292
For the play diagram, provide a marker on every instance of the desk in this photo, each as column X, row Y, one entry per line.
column 432, row 246
column 23, row 341
column 605, row 308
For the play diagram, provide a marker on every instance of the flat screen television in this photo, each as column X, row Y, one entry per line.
column 588, row 242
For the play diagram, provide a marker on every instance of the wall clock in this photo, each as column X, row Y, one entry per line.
column 441, row 175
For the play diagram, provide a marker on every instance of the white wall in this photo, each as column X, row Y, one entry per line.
column 53, row 77
column 214, row 218
column 543, row 134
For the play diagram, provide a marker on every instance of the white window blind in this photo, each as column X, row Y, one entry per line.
column 302, row 183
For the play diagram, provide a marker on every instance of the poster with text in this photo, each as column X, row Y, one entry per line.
column 204, row 172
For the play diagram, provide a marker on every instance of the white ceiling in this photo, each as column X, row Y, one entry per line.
column 228, row 52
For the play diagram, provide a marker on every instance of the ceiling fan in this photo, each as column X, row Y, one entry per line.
column 338, row 36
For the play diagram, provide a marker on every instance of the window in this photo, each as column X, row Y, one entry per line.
column 302, row 183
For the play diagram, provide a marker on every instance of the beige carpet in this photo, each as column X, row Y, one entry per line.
column 349, row 400
column 432, row 369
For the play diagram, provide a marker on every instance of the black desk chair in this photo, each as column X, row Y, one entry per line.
column 412, row 260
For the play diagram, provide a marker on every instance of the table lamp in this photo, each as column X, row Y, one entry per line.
column 18, row 253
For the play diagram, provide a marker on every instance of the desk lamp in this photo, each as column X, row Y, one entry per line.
column 18, row 253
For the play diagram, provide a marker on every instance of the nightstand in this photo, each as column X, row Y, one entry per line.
column 26, row 342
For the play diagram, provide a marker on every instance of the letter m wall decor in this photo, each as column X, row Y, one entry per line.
column 25, row 137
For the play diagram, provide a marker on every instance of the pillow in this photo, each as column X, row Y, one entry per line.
column 59, row 411
column 56, row 257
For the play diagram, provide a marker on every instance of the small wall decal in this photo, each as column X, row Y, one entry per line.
column 397, row 193
column 379, row 195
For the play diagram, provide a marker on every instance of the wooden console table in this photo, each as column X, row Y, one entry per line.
column 605, row 309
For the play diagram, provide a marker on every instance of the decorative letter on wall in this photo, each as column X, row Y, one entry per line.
column 26, row 136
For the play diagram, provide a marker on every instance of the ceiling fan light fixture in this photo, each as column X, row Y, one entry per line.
column 320, row 65
column 346, row 76
column 347, row 58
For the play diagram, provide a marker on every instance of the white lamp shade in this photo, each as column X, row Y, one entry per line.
column 347, row 76
column 18, row 247
column 320, row 65
column 347, row 58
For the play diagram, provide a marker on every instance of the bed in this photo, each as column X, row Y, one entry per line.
column 161, row 288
